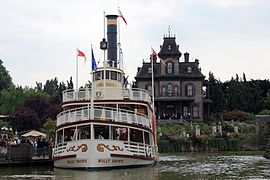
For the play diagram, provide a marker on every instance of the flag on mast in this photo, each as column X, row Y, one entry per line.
column 121, row 16
column 81, row 54
column 156, row 54
column 94, row 64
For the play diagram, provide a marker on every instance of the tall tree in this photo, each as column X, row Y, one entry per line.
column 5, row 78
column 216, row 94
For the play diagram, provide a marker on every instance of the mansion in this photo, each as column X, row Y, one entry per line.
column 181, row 91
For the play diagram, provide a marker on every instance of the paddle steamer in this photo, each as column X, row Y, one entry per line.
column 107, row 125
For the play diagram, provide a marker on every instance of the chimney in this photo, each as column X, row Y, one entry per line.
column 197, row 62
column 112, row 38
column 186, row 56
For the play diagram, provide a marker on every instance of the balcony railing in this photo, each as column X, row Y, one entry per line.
column 85, row 94
column 102, row 114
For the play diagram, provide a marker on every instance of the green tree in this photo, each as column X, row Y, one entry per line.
column 49, row 127
column 5, row 78
column 216, row 94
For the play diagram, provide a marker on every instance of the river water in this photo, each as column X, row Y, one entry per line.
column 225, row 165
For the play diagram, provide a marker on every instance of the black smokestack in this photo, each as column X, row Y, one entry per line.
column 112, row 38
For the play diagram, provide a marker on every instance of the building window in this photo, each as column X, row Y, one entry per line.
column 195, row 112
column 185, row 111
column 163, row 91
column 149, row 70
column 176, row 91
column 170, row 68
column 169, row 89
column 189, row 70
column 149, row 88
column 189, row 90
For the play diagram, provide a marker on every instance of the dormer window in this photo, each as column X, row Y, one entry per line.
column 149, row 70
column 169, row 47
column 189, row 70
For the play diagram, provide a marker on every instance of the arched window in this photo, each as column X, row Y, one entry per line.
column 170, row 68
column 170, row 89
column 195, row 112
column 189, row 90
column 163, row 91
column 176, row 90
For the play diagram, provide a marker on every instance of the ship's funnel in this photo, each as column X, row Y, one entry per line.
column 112, row 39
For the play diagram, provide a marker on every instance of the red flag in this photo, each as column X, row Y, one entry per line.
column 155, row 54
column 121, row 16
column 80, row 53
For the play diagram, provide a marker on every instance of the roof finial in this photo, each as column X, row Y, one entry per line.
column 169, row 31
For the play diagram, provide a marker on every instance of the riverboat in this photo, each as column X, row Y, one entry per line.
column 107, row 125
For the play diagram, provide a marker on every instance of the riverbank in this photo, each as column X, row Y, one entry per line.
column 267, row 155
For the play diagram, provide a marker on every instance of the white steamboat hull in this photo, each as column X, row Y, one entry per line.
column 103, row 154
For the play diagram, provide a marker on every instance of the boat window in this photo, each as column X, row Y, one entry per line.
column 136, row 135
column 146, row 138
column 69, row 134
column 119, row 133
column 101, row 132
column 59, row 136
column 113, row 75
column 84, row 132
column 97, row 75
column 119, row 77
column 107, row 74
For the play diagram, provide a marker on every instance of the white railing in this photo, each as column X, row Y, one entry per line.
column 85, row 94
column 102, row 114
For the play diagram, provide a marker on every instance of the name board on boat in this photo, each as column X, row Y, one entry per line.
column 108, row 84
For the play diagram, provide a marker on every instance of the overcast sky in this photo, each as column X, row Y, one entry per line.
column 38, row 38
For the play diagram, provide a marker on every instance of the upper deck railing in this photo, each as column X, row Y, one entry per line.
column 103, row 114
column 107, row 93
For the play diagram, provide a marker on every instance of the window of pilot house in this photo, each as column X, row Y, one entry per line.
column 149, row 70
column 119, row 77
column 97, row 75
column 189, row 90
column 169, row 89
column 69, row 134
column 113, row 75
column 189, row 70
column 195, row 111
column 170, row 68
column 136, row 135
column 107, row 74
column 84, row 132
column 119, row 133
column 146, row 137
column 101, row 132
column 59, row 136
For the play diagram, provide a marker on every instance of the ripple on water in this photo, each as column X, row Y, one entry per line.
column 229, row 166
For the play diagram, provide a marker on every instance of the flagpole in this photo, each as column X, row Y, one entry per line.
column 77, row 69
column 153, row 93
column 92, row 87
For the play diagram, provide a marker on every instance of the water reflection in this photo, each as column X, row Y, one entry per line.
column 177, row 166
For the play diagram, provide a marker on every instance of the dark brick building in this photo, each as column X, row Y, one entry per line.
column 180, row 87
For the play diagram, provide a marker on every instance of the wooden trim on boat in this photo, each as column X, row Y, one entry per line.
column 64, row 157
column 132, row 156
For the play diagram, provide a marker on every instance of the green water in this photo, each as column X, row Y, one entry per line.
column 234, row 165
